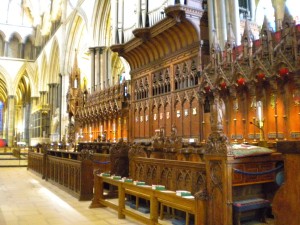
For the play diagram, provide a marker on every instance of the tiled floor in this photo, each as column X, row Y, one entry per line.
column 26, row 199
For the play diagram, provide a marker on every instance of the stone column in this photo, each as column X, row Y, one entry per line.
column 5, row 53
column 33, row 103
column 139, row 14
column 232, row 10
column 103, row 68
column 22, row 51
column 97, row 68
column 92, row 54
column 53, row 96
column 279, row 7
column 220, row 21
column 252, row 9
column 26, row 117
column 10, row 120
column 117, row 41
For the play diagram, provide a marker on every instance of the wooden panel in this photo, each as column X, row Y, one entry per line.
column 74, row 176
column 195, row 118
column 175, row 176
column 286, row 200
column 36, row 162
column 242, row 179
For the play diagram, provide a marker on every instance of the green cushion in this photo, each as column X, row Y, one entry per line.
column 243, row 150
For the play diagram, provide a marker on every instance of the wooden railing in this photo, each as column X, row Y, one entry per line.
column 72, row 171
column 75, row 176
column 37, row 163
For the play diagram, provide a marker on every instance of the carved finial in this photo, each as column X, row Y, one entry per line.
column 288, row 19
column 247, row 36
column 215, row 49
column 265, row 25
column 75, row 69
column 215, row 46
column 231, row 41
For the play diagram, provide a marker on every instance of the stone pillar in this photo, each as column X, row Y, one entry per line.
column 43, row 97
column 107, row 68
column 26, row 117
column 5, row 48
column 232, row 15
column 103, row 68
column 33, row 103
column 92, row 54
column 122, row 26
column 117, row 41
column 139, row 14
column 10, row 120
column 279, row 7
column 22, row 51
column 53, row 97
column 97, row 68
column 252, row 9
column 220, row 22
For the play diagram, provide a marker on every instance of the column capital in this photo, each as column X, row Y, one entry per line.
column 100, row 49
column 53, row 84
column 92, row 49
column 11, row 96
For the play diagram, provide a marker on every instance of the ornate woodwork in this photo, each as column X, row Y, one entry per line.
column 75, row 100
column 71, row 171
column 185, row 175
column 119, row 159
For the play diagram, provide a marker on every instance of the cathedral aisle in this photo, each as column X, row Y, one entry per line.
column 28, row 200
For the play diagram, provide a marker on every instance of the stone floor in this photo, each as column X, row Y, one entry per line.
column 26, row 199
column 8, row 159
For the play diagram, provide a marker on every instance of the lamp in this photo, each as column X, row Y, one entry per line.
column 262, row 141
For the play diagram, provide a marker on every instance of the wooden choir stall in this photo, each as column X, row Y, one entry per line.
column 202, row 133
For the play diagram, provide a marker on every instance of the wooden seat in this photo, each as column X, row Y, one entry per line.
column 258, row 204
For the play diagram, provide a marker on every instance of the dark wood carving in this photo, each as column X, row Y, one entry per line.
column 119, row 159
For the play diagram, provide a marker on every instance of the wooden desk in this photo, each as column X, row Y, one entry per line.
column 155, row 197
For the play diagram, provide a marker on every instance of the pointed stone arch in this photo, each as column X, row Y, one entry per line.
column 101, row 19
column 5, row 84
column 54, row 69
column 29, row 71
column 76, row 40
column 43, row 73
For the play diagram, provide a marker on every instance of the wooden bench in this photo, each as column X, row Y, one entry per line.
column 258, row 204
column 155, row 198
column 252, row 177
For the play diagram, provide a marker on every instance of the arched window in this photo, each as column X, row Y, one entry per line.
column 28, row 49
column 13, row 47
column 2, row 44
